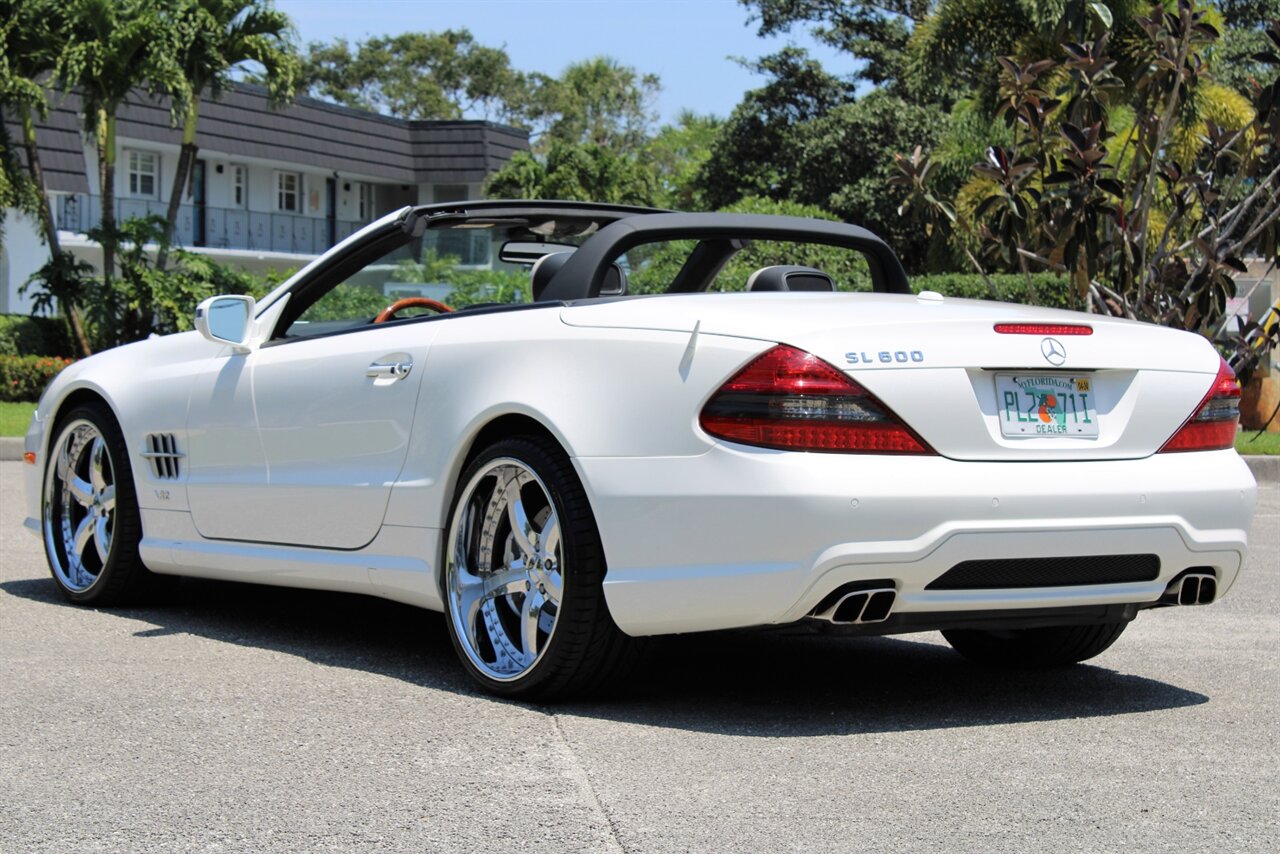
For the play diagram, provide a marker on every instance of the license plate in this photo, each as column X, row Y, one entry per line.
column 1047, row 405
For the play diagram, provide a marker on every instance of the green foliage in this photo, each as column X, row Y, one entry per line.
column 21, row 62
column 576, row 172
column 215, row 37
column 470, row 286
column 758, row 149
column 596, row 102
column 847, row 160
column 23, row 378
column 1149, row 219
column 142, row 299
column 653, row 267
column 348, row 302
column 22, row 335
column 676, row 153
column 802, row 138
column 876, row 33
column 108, row 47
column 443, row 75
column 63, row 280
column 1047, row 289
column 1245, row 37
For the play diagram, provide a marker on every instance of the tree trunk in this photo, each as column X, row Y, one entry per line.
column 181, row 177
column 48, row 225
column 106, row 140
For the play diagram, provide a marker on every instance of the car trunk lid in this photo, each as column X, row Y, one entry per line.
column 969, row 391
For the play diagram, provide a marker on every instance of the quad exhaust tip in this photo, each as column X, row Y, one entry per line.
column 856, row 607
column 1192, row 588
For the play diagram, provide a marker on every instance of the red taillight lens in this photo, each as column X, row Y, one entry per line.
column 794, row 401
column 1043, row 329
column 1213, row 426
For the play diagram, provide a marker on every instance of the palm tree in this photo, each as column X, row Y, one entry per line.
column 112, row 46
column 216, row 37
column 31, row 33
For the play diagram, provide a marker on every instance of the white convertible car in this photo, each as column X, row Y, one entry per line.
column 564, row 476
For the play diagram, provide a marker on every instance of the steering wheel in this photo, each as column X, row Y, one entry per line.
column 410, row 302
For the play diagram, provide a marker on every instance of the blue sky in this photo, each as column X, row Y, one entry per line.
column 687, row 43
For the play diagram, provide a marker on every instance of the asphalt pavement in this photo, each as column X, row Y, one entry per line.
column 234, row 717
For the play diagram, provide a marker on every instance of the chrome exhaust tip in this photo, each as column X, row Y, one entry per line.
column 1191, row 588
column 856, row 607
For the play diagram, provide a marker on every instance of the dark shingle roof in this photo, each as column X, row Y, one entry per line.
column 307, row 132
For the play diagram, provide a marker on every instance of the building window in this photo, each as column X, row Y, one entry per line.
column 239, row 185
column 288, row 191
column 144, row 173
column 365, row 193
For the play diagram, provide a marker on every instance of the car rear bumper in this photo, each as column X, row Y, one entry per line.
column 742, row 537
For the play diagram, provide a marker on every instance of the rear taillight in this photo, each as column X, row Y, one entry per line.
column 1213, row 426
column 794, row 401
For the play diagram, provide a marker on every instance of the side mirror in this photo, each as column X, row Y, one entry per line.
column 226, row 320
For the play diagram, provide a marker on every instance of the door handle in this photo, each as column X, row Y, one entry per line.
column 389, row 371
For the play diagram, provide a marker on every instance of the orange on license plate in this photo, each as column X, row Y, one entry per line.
column 1047, row 405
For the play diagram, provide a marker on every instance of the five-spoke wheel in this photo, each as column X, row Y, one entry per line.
column 523, row 574
column 89, row 513
column 504, row 580
column 79, row 505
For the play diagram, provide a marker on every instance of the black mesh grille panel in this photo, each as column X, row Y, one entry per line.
column 1047, row 572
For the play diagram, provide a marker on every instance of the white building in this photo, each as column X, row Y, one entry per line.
column 270, row 188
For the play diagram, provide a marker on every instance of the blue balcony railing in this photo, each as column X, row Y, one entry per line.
column 215, row 228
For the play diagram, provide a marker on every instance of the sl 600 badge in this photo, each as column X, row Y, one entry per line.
column 887, row 357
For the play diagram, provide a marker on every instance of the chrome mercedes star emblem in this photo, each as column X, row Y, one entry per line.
column 1053, row 351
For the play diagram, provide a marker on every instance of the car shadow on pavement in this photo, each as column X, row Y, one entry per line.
column 776, row 685
column 765, row 684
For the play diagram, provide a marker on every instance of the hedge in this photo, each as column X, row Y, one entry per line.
column 23, row 378
column 24, row 335
column 1052, row 291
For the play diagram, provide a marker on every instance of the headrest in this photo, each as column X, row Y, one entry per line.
column 615, row 282
column 544, row 270
column 546, row 267
column 789, row 277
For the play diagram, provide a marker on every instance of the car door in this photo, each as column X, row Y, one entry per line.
column 300, row 441
column 334, row 418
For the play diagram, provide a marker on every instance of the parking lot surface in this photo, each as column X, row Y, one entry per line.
column 237, row 717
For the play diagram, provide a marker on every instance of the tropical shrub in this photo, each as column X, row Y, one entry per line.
column 23, row 378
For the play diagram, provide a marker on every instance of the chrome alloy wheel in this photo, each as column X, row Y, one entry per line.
column 504, row 578
column 79, row 505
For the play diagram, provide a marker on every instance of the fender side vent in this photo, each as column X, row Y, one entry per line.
column 998, row 573
column 163, row 455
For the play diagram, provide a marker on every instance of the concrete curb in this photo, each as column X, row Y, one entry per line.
column 1266, row 469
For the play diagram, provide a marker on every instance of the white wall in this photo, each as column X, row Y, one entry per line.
column 23, row 253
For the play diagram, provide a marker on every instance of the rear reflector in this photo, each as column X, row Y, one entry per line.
column 792, row 400
column 1213, row 425
column 1044, row 329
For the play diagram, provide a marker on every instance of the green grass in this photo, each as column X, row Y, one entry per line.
column 1267, row 443
column 14, row 418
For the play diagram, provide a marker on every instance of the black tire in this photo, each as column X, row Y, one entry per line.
column 586, row 651
column 86, row 578
column 1056, row 646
